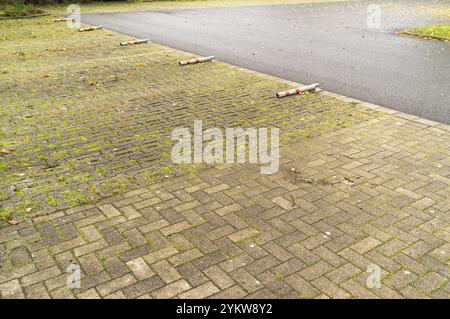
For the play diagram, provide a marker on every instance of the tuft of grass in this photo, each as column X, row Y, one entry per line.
column 51, row 201
column 438, row 31
column 279, row 277
column 19, row 10
column 4, row 214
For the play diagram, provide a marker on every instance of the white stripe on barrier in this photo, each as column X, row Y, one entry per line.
column 197, row 60
column 133, row 42
column 299, row 90
column 64, row 19
column 90, row 29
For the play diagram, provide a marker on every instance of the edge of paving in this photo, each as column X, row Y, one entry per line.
column 382, row 109
column 379, row 108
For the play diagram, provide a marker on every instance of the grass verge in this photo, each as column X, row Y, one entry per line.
column 438, row 31
column 19, row 10
column 140, row 5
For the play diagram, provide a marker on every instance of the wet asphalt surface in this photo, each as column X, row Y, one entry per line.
column 327, row 43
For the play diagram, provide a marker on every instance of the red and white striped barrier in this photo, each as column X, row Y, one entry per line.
column 90, row 29
column 197, row 60
column 64, row 19
column 299, row 90
column 133, row 42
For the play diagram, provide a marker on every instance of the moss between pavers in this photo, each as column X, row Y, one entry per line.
column 71, row 142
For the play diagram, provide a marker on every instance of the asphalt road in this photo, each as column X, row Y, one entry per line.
column 328, row 43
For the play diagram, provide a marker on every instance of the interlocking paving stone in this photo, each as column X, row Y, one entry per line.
column 11, row 289
column 367, row 187
column 171, row 290
column 200, row 292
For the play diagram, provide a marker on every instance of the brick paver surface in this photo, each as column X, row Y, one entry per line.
column 83, row 119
